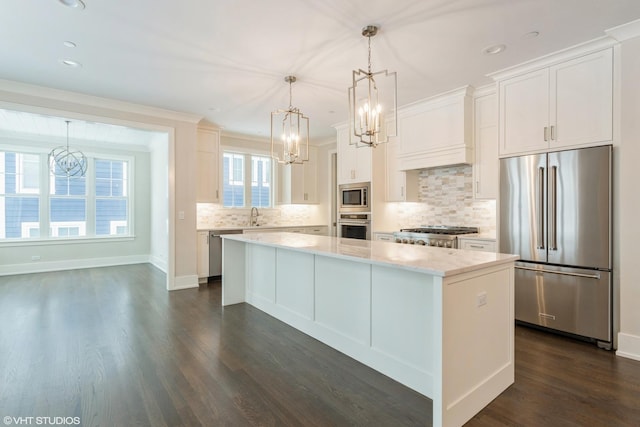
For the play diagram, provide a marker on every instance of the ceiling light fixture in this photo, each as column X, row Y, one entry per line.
column 76, row 4
column 373, row 100
column 64, row 162
column 291, row 144
column 494, row 49
column 71, row 63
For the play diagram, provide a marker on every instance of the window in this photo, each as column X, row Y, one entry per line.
column 95, row 205
column 19, row 195
column 246, row 179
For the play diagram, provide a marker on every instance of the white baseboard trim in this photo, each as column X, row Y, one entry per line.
column 184, row 282
column 628, row 346
column 159, row 263
column 43, row 267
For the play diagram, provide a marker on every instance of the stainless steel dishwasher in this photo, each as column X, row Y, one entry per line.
column 215, row 250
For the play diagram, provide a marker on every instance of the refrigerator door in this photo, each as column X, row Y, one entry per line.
column 523, row 182
column 566, row 299
column 579, row 207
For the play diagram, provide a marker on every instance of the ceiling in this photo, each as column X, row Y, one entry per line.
column 226, row 60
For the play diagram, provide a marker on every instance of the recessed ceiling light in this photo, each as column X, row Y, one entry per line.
column 494, row 50
column 531, row 35
column 331, row 112
column 71, row 63
column 69, row 43
column 78, row 4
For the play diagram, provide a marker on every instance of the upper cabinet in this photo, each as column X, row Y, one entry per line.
column 436, row 132
column 298, row 183
column 208, row 165
column 400, row 185
column 565, row 105
column 485, row 136
column 354, row 164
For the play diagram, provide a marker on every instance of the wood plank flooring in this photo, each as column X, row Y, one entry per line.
column 114, row 348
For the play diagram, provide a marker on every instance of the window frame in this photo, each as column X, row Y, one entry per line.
column 248, row 175
column 90, row 198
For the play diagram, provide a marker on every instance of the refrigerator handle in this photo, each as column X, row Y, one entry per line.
column 540, row 208
column 562, row 273
column 553, row 208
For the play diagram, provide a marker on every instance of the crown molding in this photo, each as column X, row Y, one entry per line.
column 95, row 101
column 626, row 31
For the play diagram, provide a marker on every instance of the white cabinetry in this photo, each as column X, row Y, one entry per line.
column 477, row 244
column 208, row 165
column 485, row 166
column 385, row 237
column 566, row 105
column 298, row 183
column 203, row 256
column 436, row 132
column 400, row 185
column 354, row 164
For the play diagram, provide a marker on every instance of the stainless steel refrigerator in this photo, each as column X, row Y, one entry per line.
column 555, row 212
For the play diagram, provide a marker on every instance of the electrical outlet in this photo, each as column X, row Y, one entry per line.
column 35, row 258
column 481, row 299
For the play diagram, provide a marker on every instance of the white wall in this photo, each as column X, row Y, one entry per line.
column 627, row 208
column 159, row 215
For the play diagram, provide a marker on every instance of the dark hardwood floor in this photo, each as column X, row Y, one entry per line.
column 114, row 348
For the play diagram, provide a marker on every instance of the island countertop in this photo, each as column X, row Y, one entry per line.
column 436, row 261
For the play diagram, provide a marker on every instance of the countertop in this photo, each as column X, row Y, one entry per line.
column 436, row 261
column 257, row 227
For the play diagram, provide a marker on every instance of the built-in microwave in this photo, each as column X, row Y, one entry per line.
column 354, row 197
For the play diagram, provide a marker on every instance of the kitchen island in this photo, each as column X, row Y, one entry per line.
column 439, row 321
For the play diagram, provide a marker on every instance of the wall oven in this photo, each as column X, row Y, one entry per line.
column 354, row 197
column 354, row 226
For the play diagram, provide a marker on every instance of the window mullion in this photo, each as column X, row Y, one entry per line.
column 45, row 190
column 90, row 197
column 247, row 180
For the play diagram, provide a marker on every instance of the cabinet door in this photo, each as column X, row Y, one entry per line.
column 582, row 104
column 524, row 113
column 477, row 245
column 203, row 254
column 354, row 163
column 485, row 167
column 208, row 166
column 310, row 178
column 401, row 186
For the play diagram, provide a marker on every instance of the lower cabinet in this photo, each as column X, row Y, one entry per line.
column 320, row 230
column 476, row 244
column 385, row 237
column 203, row 256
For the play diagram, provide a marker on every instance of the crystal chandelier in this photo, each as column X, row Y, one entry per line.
column 65, row 162
column 289, row 133
column 372, row 102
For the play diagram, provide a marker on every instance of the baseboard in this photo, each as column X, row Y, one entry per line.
column 184, row 282
column 628, row 346
column 43, row 267
column 159, row 263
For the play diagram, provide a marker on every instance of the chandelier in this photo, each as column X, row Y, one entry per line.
column 372, row 102
column 64, row 162
column 289, row 133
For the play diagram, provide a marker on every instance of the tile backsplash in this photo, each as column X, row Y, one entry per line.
column 446, row 198
column 211, row 216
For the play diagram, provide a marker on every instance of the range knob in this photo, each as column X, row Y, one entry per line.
column 440, row 243
column 411, row 242
column 398, row 240
column 420, row 242
column 405, row 240
column 432, row 243
column 448, row 245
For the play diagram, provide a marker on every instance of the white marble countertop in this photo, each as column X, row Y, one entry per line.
column 425, row 259
column 258, row 227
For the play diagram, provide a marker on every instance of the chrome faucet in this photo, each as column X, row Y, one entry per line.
column 253, row 217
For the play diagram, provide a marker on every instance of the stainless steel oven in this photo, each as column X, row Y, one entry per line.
column 354, row 197
column 354, row 226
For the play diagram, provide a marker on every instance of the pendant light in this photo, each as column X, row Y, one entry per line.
column 372, row 102
column 64, row 162
column 289, row 132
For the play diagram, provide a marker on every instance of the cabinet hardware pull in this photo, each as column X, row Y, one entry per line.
column 553, row 133
column 546, row 133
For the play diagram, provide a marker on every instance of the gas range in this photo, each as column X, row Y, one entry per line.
column 433, row 235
